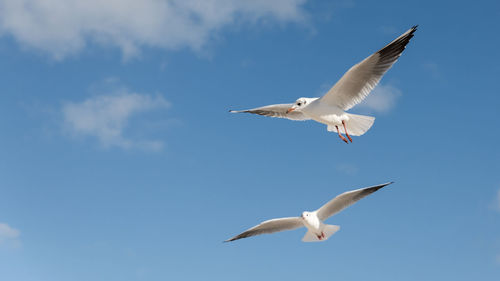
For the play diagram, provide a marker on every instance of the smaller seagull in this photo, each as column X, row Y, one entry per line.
column 313, row 221
column 350, row 90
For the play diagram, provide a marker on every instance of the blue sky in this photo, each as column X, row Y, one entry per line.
column 119, row 160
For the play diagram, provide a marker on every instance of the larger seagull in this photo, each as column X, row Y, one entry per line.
column 350, row 90
column 313, row 221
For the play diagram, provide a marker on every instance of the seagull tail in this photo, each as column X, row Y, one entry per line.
column 328, row 231
column 356, row 125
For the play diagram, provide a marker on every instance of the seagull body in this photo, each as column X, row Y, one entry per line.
column 350, row 90
column 317, row 230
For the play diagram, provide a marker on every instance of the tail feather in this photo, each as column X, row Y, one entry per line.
column 357, row 125
column 328, row 231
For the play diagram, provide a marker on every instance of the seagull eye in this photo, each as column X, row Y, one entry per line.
column 298, row 103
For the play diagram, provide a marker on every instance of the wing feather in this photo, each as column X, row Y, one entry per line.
column 270, row 226
column 360, row 80
column 345, row 200
column 275, row 110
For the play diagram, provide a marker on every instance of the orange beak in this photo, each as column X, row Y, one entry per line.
column 290, row 110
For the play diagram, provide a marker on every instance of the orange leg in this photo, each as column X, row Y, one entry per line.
column 345, row 130
column 341, row 136
column 321, row 237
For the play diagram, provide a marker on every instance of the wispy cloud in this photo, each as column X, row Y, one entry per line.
column 106, row 117
column 433, row 69
column 65, row 27
column 381, row 99
column 9, row 236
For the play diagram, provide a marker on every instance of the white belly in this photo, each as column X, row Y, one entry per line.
column 314, row 224
column 326, row 114
column 331, row 120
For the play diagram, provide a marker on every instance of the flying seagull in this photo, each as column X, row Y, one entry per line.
column 350, row 90
column 313, row 221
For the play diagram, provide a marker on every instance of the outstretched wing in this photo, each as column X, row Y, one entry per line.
column 360, row 80
column 345, row 200
column 270, row 226
column 275, row 110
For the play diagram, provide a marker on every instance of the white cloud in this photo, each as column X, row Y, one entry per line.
column 381, row 99
column 65, row 27
column 9, row 235
column 106, row 118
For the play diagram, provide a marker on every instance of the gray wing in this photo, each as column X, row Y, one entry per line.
column 275, row 110
column 360, row 80
column 345, row 200
column 270, row 226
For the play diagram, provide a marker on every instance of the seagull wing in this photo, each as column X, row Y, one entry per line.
column 360, row 80
column 345, row 200
column 270, row 226
column 275, row 110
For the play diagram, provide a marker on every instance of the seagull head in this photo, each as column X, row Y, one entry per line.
column 299, row 104
column 305, row 215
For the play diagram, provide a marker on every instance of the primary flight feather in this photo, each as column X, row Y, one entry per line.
column 350, row 90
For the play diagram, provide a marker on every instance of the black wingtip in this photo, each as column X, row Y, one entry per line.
column 413, row 29
column 379, row 186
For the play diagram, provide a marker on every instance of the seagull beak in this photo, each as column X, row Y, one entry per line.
column 290, row 109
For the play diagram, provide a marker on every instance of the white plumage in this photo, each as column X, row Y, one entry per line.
column 350, row 90
column 313, row 221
